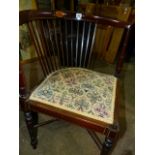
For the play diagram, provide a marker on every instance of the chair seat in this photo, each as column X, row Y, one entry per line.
column 79, row 91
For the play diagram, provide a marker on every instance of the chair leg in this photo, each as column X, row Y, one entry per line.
column 31, row 119
column 107, row 146
column 110, row 139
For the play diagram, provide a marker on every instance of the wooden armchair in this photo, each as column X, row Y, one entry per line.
column 71, row 89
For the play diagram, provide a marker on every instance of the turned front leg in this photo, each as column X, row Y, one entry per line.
column 107, row 146
column 110, row 139
column 31, row 119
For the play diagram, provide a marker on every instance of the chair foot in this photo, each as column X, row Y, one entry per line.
column 106, row 147
column 31, row 119
column 110, row 139
column 34, row 144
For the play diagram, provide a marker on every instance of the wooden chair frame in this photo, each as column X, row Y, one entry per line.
column 30, row 110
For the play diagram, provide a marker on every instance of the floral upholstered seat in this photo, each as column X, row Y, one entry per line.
column 80, row 91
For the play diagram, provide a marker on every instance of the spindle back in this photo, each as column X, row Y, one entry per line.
column 65, row 39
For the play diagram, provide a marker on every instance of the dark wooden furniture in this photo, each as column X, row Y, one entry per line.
column 64, row 39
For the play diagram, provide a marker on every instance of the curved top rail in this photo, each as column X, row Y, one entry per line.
column 28, row 15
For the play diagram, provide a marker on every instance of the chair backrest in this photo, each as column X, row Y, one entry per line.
column 64, row 39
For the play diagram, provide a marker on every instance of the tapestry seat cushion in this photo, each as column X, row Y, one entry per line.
column 81, row 91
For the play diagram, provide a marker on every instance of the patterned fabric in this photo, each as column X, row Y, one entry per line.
column 80, row 91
